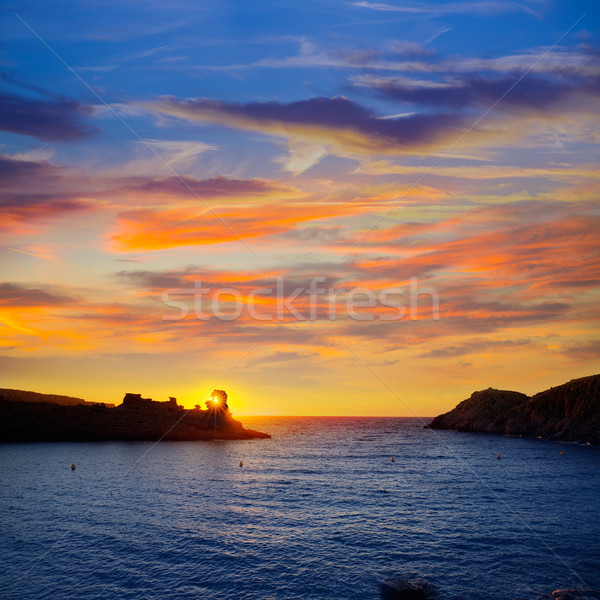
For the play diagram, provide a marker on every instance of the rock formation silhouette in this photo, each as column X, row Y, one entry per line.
column 136, row 418
column 568, row 412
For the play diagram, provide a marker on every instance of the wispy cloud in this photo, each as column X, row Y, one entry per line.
column 533, row 92
column 336, row 123
column 150, row 229
column 474, row 346
column 49, row 120
column 560, row 172
column 482, row 8
column 32, row 190
column 213, row 187
column 20, row 295
column 174, row 152
column 412, row 58
column 589, row 350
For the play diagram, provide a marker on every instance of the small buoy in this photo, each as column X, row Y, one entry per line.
column 499, row 457
column 561, row 453
column 73, row 467
column 393, row 459
column 241, row 464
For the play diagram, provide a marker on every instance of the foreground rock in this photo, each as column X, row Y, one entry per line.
column 571, row 594
column 569, row 412
column 136, row 418
column 399, row 589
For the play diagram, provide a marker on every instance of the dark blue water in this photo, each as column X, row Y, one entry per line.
column 318, row 512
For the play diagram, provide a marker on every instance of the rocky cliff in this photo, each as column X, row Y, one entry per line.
column 569, row 412
column 24, row 396
column 136, row 418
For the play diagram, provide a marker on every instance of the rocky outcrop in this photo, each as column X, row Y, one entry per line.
column 400, row 589
column 136, row 418
column 571, row 594
column 486, row 411
column 569, row 412
column 9, row 395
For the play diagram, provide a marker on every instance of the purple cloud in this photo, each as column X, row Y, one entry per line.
column 47, row 120
column 212, row 187
column 15, row 171
column 533, row 91
column 335, row 120
column 16, row 294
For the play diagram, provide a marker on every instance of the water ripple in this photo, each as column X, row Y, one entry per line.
column 318, row 512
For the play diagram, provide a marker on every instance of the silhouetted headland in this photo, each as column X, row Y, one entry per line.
column 24, row 396
column 569, row 413
column 32, row 417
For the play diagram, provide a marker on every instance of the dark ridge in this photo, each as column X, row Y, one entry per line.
column 136, row 419
column 568, row 412
column 23, row 396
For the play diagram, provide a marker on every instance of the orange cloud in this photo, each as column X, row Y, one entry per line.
column 147, row 229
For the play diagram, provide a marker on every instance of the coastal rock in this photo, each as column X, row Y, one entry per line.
column 399, row 589
column 569, row 412
column 485, row 411
column 571, row 594
column 136, row 419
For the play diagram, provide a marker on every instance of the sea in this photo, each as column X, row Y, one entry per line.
column 320, row 511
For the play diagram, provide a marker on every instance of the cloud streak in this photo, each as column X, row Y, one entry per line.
column 146, row 230
column 332, row 122
column 32, row 191
column 533, row 92
column 18, row 295
column 483, row 8
column 214, row 187
column 48, row 120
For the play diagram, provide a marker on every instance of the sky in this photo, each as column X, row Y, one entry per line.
column 323, row 207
